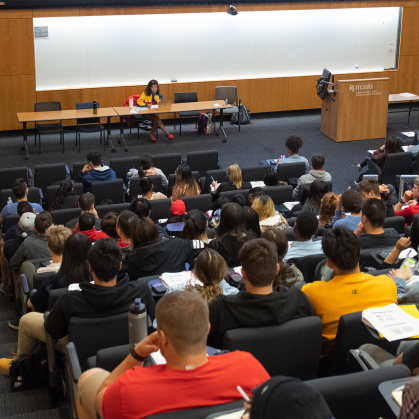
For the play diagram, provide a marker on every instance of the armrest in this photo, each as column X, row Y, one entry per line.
column 24, row 283
column 24, row 290
column 74, row 363
column 41, row 195
column 52, row 362
column 365, row 361
column 67, row 170
column 124, row 187
column 72, row 376
column 30, row 176
column 401, row 185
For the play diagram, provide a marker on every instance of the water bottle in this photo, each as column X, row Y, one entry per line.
column 226, row 102
column 94, row 107
column 137, row 323
column 356, row 68
column 9, row 200
column 209, row 123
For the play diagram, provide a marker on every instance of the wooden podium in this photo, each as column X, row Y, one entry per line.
column 356, row 110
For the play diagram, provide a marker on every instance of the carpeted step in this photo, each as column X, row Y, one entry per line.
column 7, row 349
column 22, row 403
column 6, row 304
column 43, row 414
column 7, row 334
column 8, row 315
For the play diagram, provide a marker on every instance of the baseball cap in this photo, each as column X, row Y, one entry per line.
column 178, row 207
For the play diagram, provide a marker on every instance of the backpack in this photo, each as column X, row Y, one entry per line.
column 202, row 123
column 244, row 116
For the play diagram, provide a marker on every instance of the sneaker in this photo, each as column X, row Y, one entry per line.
column 5, row 364
column 169, row 136
column 152, row 139
column 4, row 289
column 14, row 324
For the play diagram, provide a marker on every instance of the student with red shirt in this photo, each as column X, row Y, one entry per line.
column 411, row 198
column 86, row 226
column 189, row 378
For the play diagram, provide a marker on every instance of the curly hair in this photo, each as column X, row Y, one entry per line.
column 294, row 143
column 327, row 208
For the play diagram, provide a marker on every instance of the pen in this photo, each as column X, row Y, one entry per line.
column 244, row 395
column 212, row 179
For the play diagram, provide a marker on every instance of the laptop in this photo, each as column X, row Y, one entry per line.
column 165, row 105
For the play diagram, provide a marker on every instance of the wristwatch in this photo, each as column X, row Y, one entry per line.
column 401, row 201
column 136, row 356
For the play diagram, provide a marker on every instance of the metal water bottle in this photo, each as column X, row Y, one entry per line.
column 137, row 323
column 94, row 107
column 9, row 200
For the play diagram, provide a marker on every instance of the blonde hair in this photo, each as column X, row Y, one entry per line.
column 264, row 206
column 235, row 175
column 56, row 237
column 327, row 208
column 417, row 181
column 210, row 268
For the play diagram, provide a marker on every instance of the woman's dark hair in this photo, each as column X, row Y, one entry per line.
column 414, row 232
column 144, row 232
column 148, row 91
column 108, row 225
column 184, row 175
column 231, row 220
column 240, row 199
column 318, row 189
column 145, row 185
column 74, row 266
column 279, row 239
column 65, row 188
column 393, row 145
column 195, row 225
column 271, row 178
column 144, row 163
column 251, row 221
column 218, row 204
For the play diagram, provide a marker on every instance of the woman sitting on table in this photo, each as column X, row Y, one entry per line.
column 185, row 184
column 151, row 96
column 234, row 175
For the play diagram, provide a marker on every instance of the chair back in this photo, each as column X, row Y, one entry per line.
column 279, row 348
column 254, row 173
column 230, row 194
column 160, row 208
column 201, row 202
column 46, row 174
column 91, row 335
column 219, row 175
column 102, row 210
column 289, row 233
column 108, row 189
column 75, row 172
column 54, row 296
column 33, row 196
column 374, row 169
column 307, row 265
column 52, row 190
column 167, row 163
column 186, row 97
column 63, row 216
column 122, row 166
column 395, row 222
column 9, row 222
column 8, row 176
column 414, row 168
column 304, row 190
column 87, row 105
column 172, row 181
column 396, row 164
column 357, row 395
column 279, row 194
column 367, row 258
column 291, row 170
column 202, row 161
column 39, row 279
column 46, row 107
column 229, row 92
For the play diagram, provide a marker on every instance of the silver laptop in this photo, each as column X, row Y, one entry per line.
column 165, row 105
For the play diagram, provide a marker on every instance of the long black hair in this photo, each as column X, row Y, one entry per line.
column 318, row 189
column 251, row 221
column 65, row 188
column 184, row 176
column 146, row 185
column 148, row 91
column 195, row 225
column 145, row 163
column 231, row 220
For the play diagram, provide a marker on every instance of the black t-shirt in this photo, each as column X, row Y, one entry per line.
column 387, row 239
column 228, row 247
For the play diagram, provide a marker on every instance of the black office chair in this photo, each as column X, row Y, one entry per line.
column 42, row 128
column 356, row 395
column 8, row 176
column 202, row 161
column 307, row 264
column 9, row 222
column 368, row 257
column 291, row 222
column 63, row 216
column 89, row 125
column 230, row 194
column 102, row 210
column 279, row 348
column 201, row 202
column 160, row 209
column 39, row 279
column 77, row 168
column 186, row 97
column 134, row 188
column 218, row 175
column 229, row 93
column 291, row 170
column 395, row 164
column 34, row 195
column 52, row 190
column 47, row 174
column 254, row 173
column 108, row 189
column 395, row 222
column 167, row 163
column 279, row 194
column 121, row 166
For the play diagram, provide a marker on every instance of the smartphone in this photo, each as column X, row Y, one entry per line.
column 157, row 286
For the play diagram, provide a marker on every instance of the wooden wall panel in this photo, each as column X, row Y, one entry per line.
column 271, row 6
column 385, row 3
column 348, row 4
column 391, row 74
column 68, row 99
column 16, row 47
column 56, row 12
column 190, row 9
column 146, row 10
column 302, row 93
column 311, row 5
column 15, row 14
column 275, row 99
column 109, row 11
column 407, row 78
column 18, row 95
column 409, row 43
column 202, row 88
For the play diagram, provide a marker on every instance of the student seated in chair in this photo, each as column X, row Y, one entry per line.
column 86, row 226
column 370, row 188
column 350, row 290
column 350, row 201
column 370, row 230
column 86, row 204
column 260, row 305
column 189, row 378
column 107, row 296
column 93, row 171
column 411, row 199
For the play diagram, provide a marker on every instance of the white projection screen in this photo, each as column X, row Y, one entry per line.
column 101, row 51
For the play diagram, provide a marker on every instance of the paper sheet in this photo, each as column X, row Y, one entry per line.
column 238, row 270
column 407, row 94
column 216, row 104
column 408, row 253
column 258, row 183
column 154, row 107
column 405, row 148
column 397, row 394
column 132, row 111
column 371, row 151
column 409, row 134
column 290, row 205
column 233, row 415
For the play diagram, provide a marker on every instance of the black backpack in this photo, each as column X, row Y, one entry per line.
column 244, row 115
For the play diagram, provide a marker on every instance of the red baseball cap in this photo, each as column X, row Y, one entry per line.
column 178, row 207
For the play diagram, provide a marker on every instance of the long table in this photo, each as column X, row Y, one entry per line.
column 399, row 98
column 26, row 117
column 122, row 111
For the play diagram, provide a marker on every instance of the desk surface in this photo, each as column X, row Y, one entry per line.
column 69, row 114
column 401, row 98
column 177, row 107
column 386, row 387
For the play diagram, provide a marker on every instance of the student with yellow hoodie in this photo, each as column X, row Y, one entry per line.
column 151, row 96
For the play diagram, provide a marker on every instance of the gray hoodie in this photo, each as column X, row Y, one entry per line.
column 310, row 177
